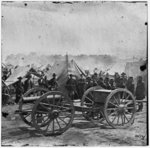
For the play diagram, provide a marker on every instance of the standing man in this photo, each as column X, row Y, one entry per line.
column 130, row 85
column 140, row 92
column 19, row 89
column 117, row 79
column 124, row 77
column 52, row 84
column 71, row 87
column 107, row 84
column 81, row 86
column 28, row 84
column 101, row 83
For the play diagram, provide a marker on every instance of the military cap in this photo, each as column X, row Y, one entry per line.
column 54, row 74
column 19, row 78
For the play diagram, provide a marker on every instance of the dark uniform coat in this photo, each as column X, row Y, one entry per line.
column 52, row 84
column 19, row 90
column 140, row 91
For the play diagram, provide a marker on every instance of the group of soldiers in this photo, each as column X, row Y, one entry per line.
column 21, row 87
column 77, row 86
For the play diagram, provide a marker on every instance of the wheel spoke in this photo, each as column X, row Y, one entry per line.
column 116, row 100
column 127, row 97
column 118, row 118
column 114, row 119
column 112, row 113
column 129, row 107
column 119, row 97
column 44, row 121
column 62, row 120
column 113, row 104
column 91, row 94
column 27, row 110
column 128, row 112
column 122, row 120
column 48, row 125
column 45, row 107
column 123, row 95
column 125, row 117
column 111, row 108
column 67, row 116
column 53, row 126
column 27, row 115
column 89, row 99
column 58, row 123
column 129, row 102
column 53, row 100
column 59, row 101
column 43, row 112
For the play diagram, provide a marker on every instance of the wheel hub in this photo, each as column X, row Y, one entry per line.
column 121, row 109
column 54, row 114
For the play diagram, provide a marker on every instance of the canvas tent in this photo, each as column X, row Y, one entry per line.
column 19, row 71
column 133, row 68
column 117, row 67
column 63, row 68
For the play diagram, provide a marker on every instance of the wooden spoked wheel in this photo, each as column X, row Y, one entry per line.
column 53, row 113
column 92, row 110
column 27, row 102
column 120, row 108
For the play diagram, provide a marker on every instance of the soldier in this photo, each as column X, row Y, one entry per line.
column 121, row 83
column 19, row 89
column 40, row 82
column 117, row 79
column 89, row 82
column 130, row 85
column 124, row 77
column 112, row 85
column 45, row 82
column 81, row 86
column 28, row 84
column 101, row 82
column 52, row 84
column 140, row 92
column 94, row 80
column 71, row 87
column 107, row 84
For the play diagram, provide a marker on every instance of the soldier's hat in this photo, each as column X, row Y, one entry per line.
column 54, row 74
column 19, row 78
column 123, row 73
column 29, row 76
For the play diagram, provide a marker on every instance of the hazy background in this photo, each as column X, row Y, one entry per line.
column 116, row 28
column 95, row 34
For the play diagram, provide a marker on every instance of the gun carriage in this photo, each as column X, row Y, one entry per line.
column 52, row 112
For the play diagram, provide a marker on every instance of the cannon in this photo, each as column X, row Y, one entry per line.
column 52, row 112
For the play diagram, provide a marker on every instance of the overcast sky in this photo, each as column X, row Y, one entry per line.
column 115, row 28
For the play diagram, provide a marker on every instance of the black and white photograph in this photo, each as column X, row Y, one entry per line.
column 74, row 73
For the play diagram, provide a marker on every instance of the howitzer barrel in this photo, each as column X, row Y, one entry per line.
column 32, row 98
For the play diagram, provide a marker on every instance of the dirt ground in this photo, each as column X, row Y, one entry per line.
column 82, row 133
